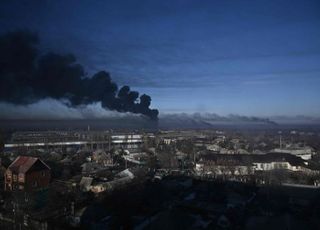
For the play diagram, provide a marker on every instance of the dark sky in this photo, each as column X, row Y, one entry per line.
column 245, row 57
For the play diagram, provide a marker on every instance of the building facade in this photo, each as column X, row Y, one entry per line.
column 27, row 174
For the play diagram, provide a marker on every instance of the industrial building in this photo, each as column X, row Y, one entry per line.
column 79, row 139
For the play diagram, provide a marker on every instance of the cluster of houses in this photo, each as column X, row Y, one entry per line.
column 250, row 164
column 28, row 180
column 97, row 186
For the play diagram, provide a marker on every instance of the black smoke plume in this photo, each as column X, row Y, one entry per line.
column 26, row 77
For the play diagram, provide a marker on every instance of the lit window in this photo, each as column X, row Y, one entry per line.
column 9, row 174
column 21, row 177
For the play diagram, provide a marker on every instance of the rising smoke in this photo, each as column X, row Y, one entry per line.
column 27, row 77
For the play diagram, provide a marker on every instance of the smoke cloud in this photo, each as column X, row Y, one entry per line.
column 52, row 109
column 27, row 77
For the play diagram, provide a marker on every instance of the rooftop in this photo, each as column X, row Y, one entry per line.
column 23, row 163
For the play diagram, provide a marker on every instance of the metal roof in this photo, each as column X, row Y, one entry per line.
column 23, row 163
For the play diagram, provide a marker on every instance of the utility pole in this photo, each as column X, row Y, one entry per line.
column 280, row 139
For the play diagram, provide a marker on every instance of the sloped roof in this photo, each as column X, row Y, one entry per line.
column 255, row 158
column 23, row 163
column 86, row 182
column 126, row 173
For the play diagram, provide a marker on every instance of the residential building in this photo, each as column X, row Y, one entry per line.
column 27, row 174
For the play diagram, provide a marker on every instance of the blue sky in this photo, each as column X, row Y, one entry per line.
column 245, row 57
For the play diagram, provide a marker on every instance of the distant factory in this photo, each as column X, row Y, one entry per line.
column 80, row 139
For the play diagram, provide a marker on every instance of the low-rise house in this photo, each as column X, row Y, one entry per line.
column 213, row 147
column 122, row 178
column 91, row 167
column 244, row 164
column 85, row 183
column 102, row 157
column 304, row 153
column 266, row 166
column 169, row 141
column 27, row 174
column 136, row 158
column 242, row 151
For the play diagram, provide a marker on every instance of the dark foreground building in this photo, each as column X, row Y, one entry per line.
column 27, row 174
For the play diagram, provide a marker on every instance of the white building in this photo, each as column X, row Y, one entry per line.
column 266, row 166
column 303, row 152
column 129, row 141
